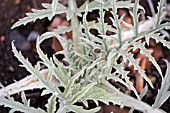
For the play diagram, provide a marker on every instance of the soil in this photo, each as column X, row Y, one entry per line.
column 11, row 11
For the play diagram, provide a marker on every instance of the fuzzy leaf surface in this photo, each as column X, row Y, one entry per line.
column 163, row 92
column 18, row 106
column 51, row 105
column 99, row 94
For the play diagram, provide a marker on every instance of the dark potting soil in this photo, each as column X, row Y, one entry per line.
column 11, row 11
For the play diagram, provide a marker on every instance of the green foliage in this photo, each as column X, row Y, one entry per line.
column 98, row 94
column 16, row 106
column 163, row 92
column 51, row 105
column 91, row 58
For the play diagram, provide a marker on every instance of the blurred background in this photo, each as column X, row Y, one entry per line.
column 25, row 37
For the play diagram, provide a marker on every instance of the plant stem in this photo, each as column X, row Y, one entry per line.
column 131, row 102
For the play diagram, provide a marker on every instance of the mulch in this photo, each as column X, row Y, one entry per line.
column 11, row 11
